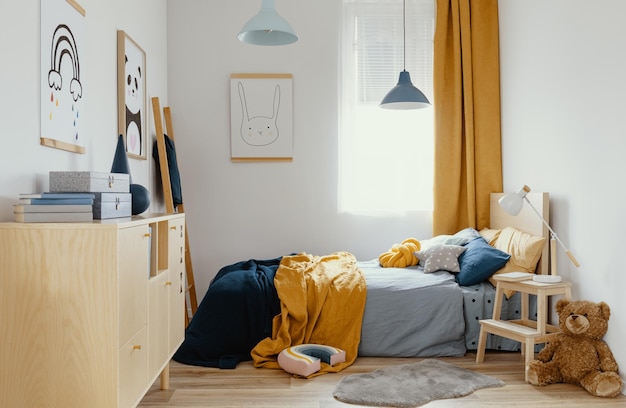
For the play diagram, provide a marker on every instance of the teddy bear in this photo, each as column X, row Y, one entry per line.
column 578, row 355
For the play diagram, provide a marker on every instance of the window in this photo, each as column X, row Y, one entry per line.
column 385, row 156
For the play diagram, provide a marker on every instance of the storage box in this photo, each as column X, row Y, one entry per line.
column 112, row 205
column 88, row 182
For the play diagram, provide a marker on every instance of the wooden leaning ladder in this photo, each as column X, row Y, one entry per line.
column 169, row 201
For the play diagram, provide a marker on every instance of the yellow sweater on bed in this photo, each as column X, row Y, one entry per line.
column 322, row 300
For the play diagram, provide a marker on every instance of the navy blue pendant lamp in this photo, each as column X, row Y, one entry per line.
column 404, row 95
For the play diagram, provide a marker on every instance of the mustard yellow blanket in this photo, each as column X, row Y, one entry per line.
column 322, row 301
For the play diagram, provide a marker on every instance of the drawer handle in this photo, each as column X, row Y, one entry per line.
column 173, row 227
column 137, row 347
column 147, row 234
column 168, row 283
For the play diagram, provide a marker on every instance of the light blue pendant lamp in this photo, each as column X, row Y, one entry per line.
column 404, row 95
column 267, row 28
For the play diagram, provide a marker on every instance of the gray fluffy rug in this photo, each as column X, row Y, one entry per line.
column 411, row 385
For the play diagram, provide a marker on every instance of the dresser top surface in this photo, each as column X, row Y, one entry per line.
column 113, row 223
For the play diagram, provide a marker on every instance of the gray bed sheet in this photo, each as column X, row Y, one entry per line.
column 409, row 313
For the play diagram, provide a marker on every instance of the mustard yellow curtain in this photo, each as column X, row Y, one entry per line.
column 468, row 157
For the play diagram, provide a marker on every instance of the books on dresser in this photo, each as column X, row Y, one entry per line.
column 57, row 208
column 57, row 198
column 57, row 195
column 54, row 207
column 53, row 217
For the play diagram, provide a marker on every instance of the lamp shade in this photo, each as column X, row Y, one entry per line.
column 512, row 203
column 267, row 28
column 404, row 95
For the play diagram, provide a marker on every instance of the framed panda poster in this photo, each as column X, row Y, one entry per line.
column 131, row 94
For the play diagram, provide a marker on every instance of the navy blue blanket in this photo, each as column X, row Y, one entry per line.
column 234, row 315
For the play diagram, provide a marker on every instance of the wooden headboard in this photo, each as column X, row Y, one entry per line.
column 526, row 221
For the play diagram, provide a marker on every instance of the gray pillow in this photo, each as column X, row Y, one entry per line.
column 440, row 257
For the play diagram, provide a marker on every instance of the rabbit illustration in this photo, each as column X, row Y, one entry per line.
column 259, row 130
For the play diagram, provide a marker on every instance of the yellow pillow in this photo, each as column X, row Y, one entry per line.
column 490, row 235
column 525, row 250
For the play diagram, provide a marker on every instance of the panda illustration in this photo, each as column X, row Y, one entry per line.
column 134, row 104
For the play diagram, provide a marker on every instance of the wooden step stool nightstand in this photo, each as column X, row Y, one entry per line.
column 528, row 332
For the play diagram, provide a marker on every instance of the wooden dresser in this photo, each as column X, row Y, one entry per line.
column 90, row 313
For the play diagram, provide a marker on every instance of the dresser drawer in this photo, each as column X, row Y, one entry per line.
column 133, row 375
column 134, row 247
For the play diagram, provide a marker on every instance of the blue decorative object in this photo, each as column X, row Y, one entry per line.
column 120, row 160
column 140, row 196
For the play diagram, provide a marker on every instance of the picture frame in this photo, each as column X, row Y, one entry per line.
column 132, row 95
column 261, row 110
column 62, row 97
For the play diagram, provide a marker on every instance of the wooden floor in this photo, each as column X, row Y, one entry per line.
column 247, row 386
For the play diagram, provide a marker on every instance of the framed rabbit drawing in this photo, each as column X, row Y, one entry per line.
column 261, row 115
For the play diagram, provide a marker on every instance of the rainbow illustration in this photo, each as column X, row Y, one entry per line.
column 64, row 45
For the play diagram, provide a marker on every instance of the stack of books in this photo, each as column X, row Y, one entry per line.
column 54, row 207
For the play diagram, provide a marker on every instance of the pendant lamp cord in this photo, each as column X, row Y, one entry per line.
column 404, row 35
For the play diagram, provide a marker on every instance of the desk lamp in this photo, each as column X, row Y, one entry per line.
column 512, row 203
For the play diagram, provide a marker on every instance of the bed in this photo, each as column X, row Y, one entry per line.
column 410, row 311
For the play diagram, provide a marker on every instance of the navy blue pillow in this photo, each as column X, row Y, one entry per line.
column 479, row 261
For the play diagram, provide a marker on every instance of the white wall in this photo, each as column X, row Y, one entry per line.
column 24, row 163
column 238, row 211
column 563, row 87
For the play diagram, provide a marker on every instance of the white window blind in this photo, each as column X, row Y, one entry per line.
column 385, row 156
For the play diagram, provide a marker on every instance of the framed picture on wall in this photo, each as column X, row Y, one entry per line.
column 63, row 45
column 261, row 115
column 131, row 94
